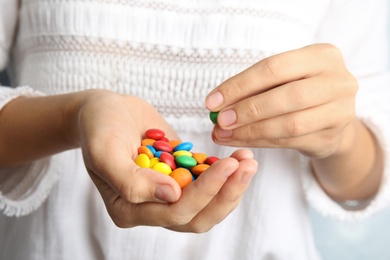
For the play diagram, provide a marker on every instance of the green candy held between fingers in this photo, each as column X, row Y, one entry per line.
column 213, row 117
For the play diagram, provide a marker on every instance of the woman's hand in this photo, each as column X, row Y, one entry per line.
column 305, row 100
column 302, row 99
column 110, row 128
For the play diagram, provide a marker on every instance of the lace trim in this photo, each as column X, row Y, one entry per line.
column 81, row 44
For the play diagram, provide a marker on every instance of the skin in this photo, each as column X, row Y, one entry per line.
column 108, row 128
column 304, row 100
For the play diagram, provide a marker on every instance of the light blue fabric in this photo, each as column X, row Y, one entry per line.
column 366, row 240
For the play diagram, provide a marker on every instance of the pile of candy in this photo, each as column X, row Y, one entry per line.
column 172, row 157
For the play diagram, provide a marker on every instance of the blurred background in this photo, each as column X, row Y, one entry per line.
column 366, row 240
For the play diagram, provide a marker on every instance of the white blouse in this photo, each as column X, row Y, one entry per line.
column 172, row 53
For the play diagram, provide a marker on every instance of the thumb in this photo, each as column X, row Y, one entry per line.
column 138, row 185
column 117, row 171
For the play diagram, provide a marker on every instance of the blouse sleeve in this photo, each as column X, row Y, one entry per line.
column 359, row 29
column 23, row 188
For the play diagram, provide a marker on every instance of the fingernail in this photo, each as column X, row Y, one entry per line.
column 214, row 100
column 164, row 193
column 221, row 133
column 227, row 118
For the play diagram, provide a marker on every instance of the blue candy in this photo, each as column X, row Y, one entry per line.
column 151, row 148
column 186, row 146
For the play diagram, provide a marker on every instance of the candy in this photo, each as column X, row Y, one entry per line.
column 162, row 167
column 199, row 157
column 198, row 169
column 145, row 150
column 214, row 117
column 152, row 149
column 142, row 160
column 186, row 146
column 155, row 134
column 178, row 153
column 147, row 141
column 162, row 146
column 168, row 159
column 211, row 159
column 158, row 154
column 172, row 157
column 153, row 162
column 185, row 161
column 174, row 143
column 182, row 176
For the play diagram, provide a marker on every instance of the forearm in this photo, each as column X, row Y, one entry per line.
column 35, row 127
column 355, row 170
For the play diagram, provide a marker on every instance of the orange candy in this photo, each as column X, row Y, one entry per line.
column 182, row 176
column 147, row 141
column 199, row 157
column 198, row 169
column 145, row 150
column 174, row 143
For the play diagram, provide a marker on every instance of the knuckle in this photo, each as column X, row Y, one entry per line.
column 130, row 193
column 295, row 127
column 272, row 66
column 209, row 191
column 279, row 142
column 330, row 50
column 232, row 88
column 299, row 96
column 253, row 109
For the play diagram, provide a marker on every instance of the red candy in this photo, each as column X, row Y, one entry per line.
column 155, row 134
column 168, row 159
column 162, row 146
column 211, row 159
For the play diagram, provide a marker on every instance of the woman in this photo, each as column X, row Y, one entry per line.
column 157, row 61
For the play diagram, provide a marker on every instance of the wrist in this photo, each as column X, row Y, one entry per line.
column 354, row 170
column 73, row 108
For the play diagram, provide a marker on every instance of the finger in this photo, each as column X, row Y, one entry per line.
column 281, row 131
column 288, row 98
column 273, row 71
column 194, row 198
column 242, row 154
column 225, row 201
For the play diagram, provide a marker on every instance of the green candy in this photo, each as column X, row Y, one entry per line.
column 185, row 161
column 213, row 117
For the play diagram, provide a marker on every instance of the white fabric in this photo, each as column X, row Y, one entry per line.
column 172, row 53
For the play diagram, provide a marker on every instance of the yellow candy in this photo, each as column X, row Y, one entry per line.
column 142, row 161
column 162, row 167
column 182, row 152
column 153, row 161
